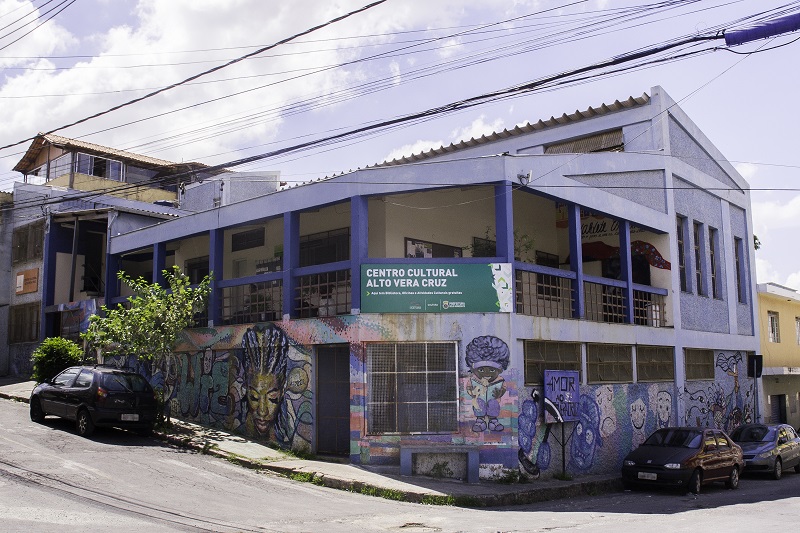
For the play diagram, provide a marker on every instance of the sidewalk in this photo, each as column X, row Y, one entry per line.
column 383, row 481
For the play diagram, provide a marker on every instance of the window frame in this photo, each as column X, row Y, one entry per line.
column 27, row 243
column 394, row 397
column 773, row 327
column 714, row 265
column 646, row 366
column 697, row 234
column 24, row 323
column 681, row 239
column 701, row 370
column 616, row 368
column 248, row 239
column 738, row 259
column 563, row 360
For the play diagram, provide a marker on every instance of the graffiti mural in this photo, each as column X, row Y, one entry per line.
column 722, row 404
column 487, row 357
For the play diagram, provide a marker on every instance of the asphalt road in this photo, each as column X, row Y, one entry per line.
column 53, row 480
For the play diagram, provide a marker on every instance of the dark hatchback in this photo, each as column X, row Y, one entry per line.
column 769, row 448
column 97, row 396
column 684, row 457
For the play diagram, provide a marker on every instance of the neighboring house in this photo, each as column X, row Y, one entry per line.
column 419, row 302
column 779, row 315
column 57, row 222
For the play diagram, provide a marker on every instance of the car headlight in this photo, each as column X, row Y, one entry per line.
column 628, row 462
column 765, row 455
column 672, row 466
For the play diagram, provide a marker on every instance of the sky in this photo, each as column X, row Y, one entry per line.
column 65, row 60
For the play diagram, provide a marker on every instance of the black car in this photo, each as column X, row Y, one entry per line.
column 97, row 396
column 684, row 457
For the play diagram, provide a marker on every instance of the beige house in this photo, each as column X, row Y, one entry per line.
column 779, row 316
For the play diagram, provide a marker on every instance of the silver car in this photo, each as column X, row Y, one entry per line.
column 770, row 448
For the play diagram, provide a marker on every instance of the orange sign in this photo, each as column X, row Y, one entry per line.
column 28, row 281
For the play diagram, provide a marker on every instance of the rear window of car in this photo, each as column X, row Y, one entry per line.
column 120, row 382
column 753, row 434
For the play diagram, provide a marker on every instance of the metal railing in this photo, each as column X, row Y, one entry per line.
column 540, row 294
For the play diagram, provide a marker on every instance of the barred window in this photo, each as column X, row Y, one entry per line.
column 699, row 364
column 681, row 236
column 244, row 240
column 27, row 243
column 655, row 363
column 23, row 323
column 547, row 355
column 609, row 363
column 412, row 387
column 774, row 326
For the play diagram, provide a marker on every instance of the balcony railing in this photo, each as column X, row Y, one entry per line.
column 323, row 294
column 540, row 294
column 253, row 302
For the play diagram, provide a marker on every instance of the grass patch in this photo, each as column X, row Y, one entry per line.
column 438, row 500
column 305, row 477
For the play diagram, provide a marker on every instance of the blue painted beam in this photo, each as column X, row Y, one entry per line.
column 291, row 259
column 504, row 221
column 215, row 263
column 625, row 265
column 359, row 246
column 159, row 262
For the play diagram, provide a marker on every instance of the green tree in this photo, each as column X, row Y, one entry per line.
column 149, row 325
column 54, row 355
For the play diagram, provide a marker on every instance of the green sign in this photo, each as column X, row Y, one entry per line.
column 437, row 288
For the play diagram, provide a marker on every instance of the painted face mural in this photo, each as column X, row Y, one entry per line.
column 604, row 396
column 265, row 355
column 638, row 414
column 486, row 358
column 663, row 408
column 587, row 434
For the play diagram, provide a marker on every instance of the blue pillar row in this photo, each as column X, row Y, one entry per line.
column 625, row 266
column 291, row 259
column 576, row 260
column 504, row 221
column 112, row 284
column 215, row 265
column 359, row 247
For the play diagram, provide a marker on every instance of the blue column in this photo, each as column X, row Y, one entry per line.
column 159, row 262
column 359, row 247
column 504, row 221
column 291, row 259
column 576, row 260
column 112, row 283
column 53, row 240
column 626, row 271
column 215, row 264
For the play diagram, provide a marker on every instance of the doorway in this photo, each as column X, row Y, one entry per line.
column 333, row 399
column 777, row 404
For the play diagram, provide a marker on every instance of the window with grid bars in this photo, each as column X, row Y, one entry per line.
column 655, row 363
column 609, row 363
column 412, row 387
column 27, row 243
column 699, row 364
column 681, row 235
column 713, row 238
column 698, row 258
column 774, row 326
column 549, row 355
column 23, row 323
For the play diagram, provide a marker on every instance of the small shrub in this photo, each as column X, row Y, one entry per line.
column 54, row 355
column 441, row 470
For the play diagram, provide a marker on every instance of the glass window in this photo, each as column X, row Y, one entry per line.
column 65, row 378
column 119, row 382
column 699, row 364
column 23, row 323
column 84, row 379
column 244, row 240
column 713, row 236
column 774, row 326
column 412, row 387
column 609, row 363
column 27, row 243
column 655, row 363
column 738, row 251
column 681, row 235
column 698, row 258
column 546, row 355
column 797, row 328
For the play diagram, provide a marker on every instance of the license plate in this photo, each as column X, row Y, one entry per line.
column 647, row 475
column 129, row 418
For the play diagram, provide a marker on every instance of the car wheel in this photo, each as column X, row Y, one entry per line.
column 37, row 413
column 695, row 482
column 84, row 423
column 777, row 470
column 733, row 480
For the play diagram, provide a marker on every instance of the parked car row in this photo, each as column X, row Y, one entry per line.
column 97, row 396
column 689, row 457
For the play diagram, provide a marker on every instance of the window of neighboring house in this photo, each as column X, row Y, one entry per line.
column 59, row 166
column 698, row 364
column 655, row 363
column 738, row 259
column 681, row 234
column 774, row 327
column 797, row 328
column 547, row 355
column 197, row 269
column 23, row 323
column 412, row 387
column 27, row 243
column 244, row 240
column 37, row 176
column 713, row 236
column 609, row 363
column 698, row 257
column 98, row 166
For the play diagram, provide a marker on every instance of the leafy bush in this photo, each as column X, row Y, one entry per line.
column 54, row 355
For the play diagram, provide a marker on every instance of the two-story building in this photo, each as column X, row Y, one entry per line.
column 419, row 302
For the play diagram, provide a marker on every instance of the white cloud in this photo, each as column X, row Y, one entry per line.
column 747, row 170
column 771, row 215
column 765, row 273
column 414, row 148
column 394, row 68
column 793, row 281
column 449, row 48
column 478, row 127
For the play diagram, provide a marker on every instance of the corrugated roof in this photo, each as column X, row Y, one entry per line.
column 29, row 159
column 578, row 115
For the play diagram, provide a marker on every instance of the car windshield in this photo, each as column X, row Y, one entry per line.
column 675, row 438
column 754, row 434
column 119, row 382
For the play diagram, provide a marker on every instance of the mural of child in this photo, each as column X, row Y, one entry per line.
column 487, row 357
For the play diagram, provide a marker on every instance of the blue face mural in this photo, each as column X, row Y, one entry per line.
column 586, row 437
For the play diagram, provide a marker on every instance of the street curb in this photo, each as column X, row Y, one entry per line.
column 14, row 398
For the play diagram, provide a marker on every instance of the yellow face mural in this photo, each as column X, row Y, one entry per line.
column 263, row 400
